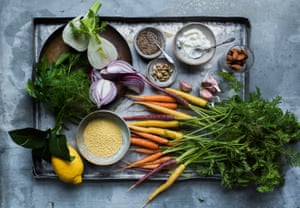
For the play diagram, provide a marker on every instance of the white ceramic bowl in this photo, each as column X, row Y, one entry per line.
column 183, row 52
column 87, row 153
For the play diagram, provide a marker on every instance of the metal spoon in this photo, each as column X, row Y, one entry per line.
column 154, row 41
column 197, row 52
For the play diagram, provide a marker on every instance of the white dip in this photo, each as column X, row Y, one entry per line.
column 191, row 39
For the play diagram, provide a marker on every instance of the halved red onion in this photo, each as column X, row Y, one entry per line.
column 133, row 82
column 117, row 69
column 102, row 92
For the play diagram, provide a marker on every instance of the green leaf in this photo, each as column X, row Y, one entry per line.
column 43, row 153
column 58, row 146
column 29, row 137
column 233, row 83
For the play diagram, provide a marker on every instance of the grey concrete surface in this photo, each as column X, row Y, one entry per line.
column 275, row 39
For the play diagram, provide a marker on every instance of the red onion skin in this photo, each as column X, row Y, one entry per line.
column 133, row 82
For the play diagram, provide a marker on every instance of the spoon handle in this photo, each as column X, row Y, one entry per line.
column 229, row 40
column 169, row 58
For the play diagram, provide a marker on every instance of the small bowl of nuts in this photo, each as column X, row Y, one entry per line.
column 161, row 72
column 239, row 58
column 147, row 40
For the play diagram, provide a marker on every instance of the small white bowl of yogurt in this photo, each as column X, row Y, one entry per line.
column 191, row 36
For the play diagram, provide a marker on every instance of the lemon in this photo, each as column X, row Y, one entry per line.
column 69, row 171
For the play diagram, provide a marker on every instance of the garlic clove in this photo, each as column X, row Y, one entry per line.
column 185, row 86
column 205, row 93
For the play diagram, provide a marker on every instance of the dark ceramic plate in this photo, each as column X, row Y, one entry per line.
column 55, row 45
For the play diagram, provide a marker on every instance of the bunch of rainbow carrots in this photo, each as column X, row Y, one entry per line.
column 166, row 135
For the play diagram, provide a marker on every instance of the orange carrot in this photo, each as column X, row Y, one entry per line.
column 168, row 105
column 158, row 131
column 143, row 150
column 153, row 98
column 160, row 160
column 161, row 109
column 146, row 159
column 152, row 137
column 156, row 123
column 143, row 143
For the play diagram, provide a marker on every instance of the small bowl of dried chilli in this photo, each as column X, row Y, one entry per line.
column 147, row 40
column 161, row 72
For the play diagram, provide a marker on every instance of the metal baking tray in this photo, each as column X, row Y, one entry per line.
column 127, row 27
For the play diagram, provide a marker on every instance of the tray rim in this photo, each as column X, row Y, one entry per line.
column 126, row 19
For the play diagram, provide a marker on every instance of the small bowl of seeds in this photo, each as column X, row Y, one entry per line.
column 148, row 42
column 161, row 72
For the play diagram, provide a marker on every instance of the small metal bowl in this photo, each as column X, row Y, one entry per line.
column 87, row 153
column 144, row 45
column 161, row 62
column 182, row 52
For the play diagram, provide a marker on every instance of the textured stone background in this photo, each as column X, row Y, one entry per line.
column 275, row 39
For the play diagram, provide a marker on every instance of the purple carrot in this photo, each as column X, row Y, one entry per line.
column 163, row 117
column 154, row 171
column 179, row 99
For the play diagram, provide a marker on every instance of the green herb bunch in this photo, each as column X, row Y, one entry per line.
column 243, row 141
column 63, row 86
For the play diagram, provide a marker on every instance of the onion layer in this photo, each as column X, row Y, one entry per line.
column 102, row 92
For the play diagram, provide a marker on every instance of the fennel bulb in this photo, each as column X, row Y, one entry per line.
column 101, row 52
column 82, row 33
column 78, row 41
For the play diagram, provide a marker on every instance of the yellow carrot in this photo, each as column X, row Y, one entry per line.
column 171, row 180
column 189, row 97
column 156, row 123
column 161, row 109
column 159, row 131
